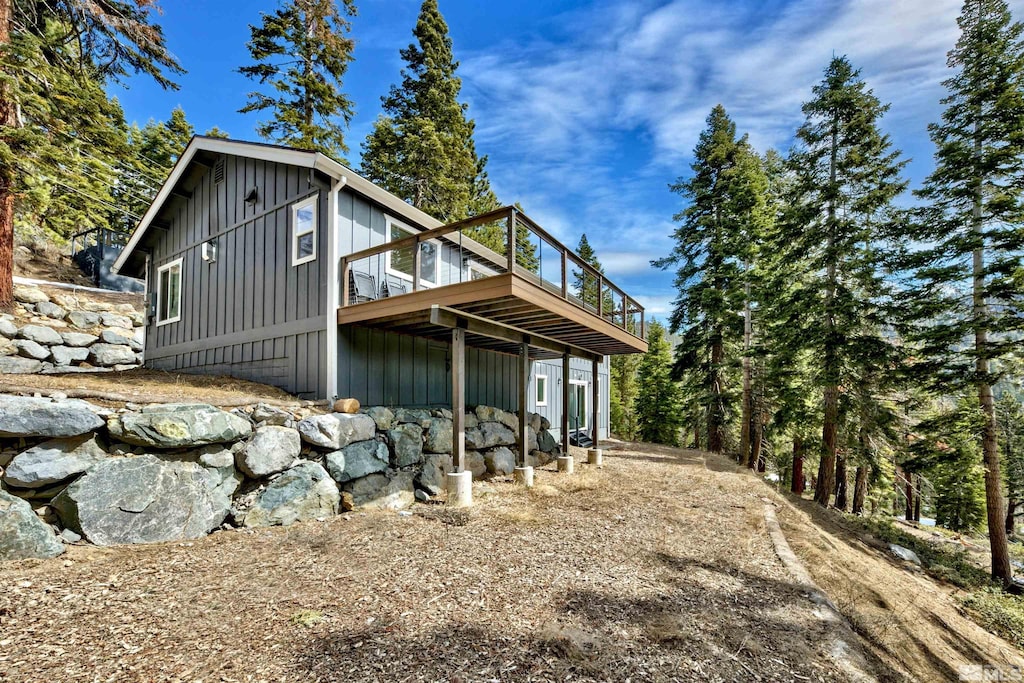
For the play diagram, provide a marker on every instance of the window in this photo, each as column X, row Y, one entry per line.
column 304, row 231
column 542, row 390
column 399, row 261
column 168, row 293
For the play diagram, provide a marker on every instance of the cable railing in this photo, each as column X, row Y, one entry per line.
column 495, row 243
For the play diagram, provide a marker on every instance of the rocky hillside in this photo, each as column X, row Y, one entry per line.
column 54, row 330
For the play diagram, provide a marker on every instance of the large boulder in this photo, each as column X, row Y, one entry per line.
column 336, row 430
column 65, row 355
column 120, row 337
column 114, row 320
column 54, row 461
column 27, row 294
column 83, row 319
column 438, row 436
column 22, row 534
column 50, row 310
column 108, row 355
column 489, row 435
column 412, row 415
column 433, row 478
column 7, row 347
column 475, row 463
column 24, row 416
column 383, row 417
column 382, row 492
column 141, row 500
column 500, row 461
column 302, row 493
column 357, row 460
column 8, row 328
column 16, row 365
column 546, row 442
column 406, row 441
column 78, row 339
column 41, row 334
column 269, row 415
column 31, row 349
column 178, row 425
column 271, row 450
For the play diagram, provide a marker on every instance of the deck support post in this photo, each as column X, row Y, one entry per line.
column 595, row 399
column 460, row 480
column 565, row 404
column 522, row 433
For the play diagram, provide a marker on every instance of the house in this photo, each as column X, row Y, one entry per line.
column 285, row 267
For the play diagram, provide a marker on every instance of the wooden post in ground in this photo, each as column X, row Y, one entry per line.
column 595, row 401
column 522, row 437
column 458, row 399
column 565, row 404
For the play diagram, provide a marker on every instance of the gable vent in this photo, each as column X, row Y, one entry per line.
column 218, row 171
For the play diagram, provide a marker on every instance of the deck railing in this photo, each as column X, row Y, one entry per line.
column 495, row 243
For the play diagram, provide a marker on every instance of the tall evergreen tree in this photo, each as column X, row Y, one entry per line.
column 421, row 148
column 967, row 277
column 659, row 400
column 725, row 198
column 845, row 178
column 301, row 51
column 102, row 40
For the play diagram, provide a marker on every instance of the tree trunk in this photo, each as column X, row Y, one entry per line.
column 841, row 483
column 917, row 499
column 716, row 425
column 756, row 434
column 1011, row 515
column 827, row 467
column 909, row 491
column 8, row 118
column 1001, row 569
column 797, row 485
column 747, row 398
column 860, row 490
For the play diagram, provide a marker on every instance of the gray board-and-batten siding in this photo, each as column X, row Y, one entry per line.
column 250, row 313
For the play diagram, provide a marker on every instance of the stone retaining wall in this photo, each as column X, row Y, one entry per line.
column 72, row 471
column 65, row 332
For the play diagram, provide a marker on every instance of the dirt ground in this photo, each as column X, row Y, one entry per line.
column 655, row 568
column 149, row 386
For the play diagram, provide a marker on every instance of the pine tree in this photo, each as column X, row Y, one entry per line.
column 845, row 178
column 726, row 197
column 1010, row 426
column 421, row 148
column 659, row 400
column 301, row 52
column 967, row 277
column 101, row 41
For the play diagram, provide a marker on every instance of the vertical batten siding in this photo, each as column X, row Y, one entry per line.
column 579, row 369
column 251, row 314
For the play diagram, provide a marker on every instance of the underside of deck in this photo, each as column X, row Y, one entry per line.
column 496, row 313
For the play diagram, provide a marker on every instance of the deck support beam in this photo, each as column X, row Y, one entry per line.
column 565, row 404
column 458, row 399
column 595, row 399
column 522, row 435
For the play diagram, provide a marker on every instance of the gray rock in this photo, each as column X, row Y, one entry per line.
column 54, row 461
column 382, row 492
column 66, row 355
column 406, row 441
column 40, row 334
column 22, row 534
column 433, row 478
column 355, row 427
column 417, row 415
column 27, row 294
column 15, row 365
column 489, row 435
column 115, row 320
column 121, row 367
column 500, row 461
column 531, row 439
column 475, row 464
column 120, row 339
column 302, row 493
column 439, row 436
column 488, row 413
column 905, row 554
column 271, row 415
column 138, row 319
column 78, row 339
column 67, row 301
column 31, row 349
column 271, row 450
column 422, row 496
column 545, row 424
column 68, row 536
column 97, row 306
column 535, row 419
column 178, row 425
column 51, row 310
column 83, row 319
column 470, row 421
column 7, row 347
column 107, row 355
column 357, row 460
column 8, row 329
column 219, row 462
column 382, row 417
column 24, row 416
column 546, row 442
column 320, row 430
column 141, row 500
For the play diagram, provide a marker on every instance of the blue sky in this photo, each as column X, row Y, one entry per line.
column 589, row 109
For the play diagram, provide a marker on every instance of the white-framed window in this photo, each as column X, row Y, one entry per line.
column 579, row 399
column 541, row 387
column 168, row 293
column 304, row 231
column 398, row 262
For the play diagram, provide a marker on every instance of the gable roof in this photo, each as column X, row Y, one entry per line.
column 273, row 153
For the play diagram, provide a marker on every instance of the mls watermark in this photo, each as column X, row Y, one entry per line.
column 986, row 672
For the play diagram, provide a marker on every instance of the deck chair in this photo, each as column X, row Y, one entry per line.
column 392, row 287
column 362, row 287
